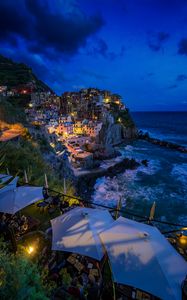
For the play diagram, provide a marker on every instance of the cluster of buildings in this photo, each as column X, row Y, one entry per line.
column 74, row 119
column 21, row 89
column 89, row 103
column 70, row 127
column 5, row 92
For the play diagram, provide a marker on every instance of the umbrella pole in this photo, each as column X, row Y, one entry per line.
column 26, row 177
column 46, row 183
column 118, row 208
column 114, row 290
column 152, row 212
column 113, row 284
column 65, row 185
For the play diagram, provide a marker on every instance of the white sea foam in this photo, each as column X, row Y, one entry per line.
column 108, row 190
column 132, row 148
column 179, row 171
column 151, row 169
column 129, row 148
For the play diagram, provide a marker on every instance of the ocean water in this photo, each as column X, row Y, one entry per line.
column 170, row 126
column 163, row 181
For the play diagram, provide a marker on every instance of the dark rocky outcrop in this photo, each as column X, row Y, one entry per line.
column 121, row 166
column 85, row 183
column 101, row 152
column 145, row 162
column 161, row 143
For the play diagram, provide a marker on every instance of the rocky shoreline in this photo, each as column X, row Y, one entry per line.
column 85, row 179
column 161, row 143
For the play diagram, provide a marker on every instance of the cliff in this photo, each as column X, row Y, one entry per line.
column 117, row 127
column 115, row 134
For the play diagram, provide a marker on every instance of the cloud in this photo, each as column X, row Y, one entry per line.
column 44, row 29
column 46, row 35
column 156, row 40
column 174, row 86
column 94, row 74
column 181, row 77
column 150, row 74
column 147, row 76
column 78, row 87
column 100, row 48
column 182, row 49
column 165, row 6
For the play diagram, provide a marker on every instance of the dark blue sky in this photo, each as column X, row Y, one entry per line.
column 137, row 48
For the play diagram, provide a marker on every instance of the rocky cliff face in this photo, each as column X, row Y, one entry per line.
column 115, row 133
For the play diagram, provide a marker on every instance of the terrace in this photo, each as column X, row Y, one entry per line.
column 65, row 237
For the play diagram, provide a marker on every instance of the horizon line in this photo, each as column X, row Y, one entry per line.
column 183, row 111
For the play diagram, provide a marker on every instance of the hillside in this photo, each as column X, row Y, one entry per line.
column 28, row 152
column 11, row 112
column 14, row 74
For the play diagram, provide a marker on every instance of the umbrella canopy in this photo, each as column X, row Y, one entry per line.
column 10, row 186
column 4, row 178
column 77, row 231
column 15, row 198
column 141, row 257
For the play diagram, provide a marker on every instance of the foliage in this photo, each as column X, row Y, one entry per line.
column 11, row 112
column 20, row 278
column 123, row 117
column 44, row 144
column 66, row 277
column 21, row 101
column 26, row 155
column 23, row 156
column 14, row 74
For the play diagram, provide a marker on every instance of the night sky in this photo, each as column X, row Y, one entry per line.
column 137, row 48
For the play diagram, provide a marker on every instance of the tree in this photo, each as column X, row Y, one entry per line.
column 19, row 277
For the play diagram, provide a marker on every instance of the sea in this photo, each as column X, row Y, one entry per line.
column 163, row 181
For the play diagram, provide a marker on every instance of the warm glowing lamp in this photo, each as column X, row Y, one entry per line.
column 30, row 250
column 183, row 240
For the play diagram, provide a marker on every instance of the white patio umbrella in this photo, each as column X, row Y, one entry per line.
column 140, row 256
column 11, row 185
column 4, row 178
column 77, row 231
column 13, row 199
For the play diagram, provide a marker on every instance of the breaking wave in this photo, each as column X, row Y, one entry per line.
column 179, row 171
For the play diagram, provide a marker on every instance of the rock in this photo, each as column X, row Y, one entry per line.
column 122, row 166
column 145, row 162
column 169, row 145
column 114, row 133
column 85, row 184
